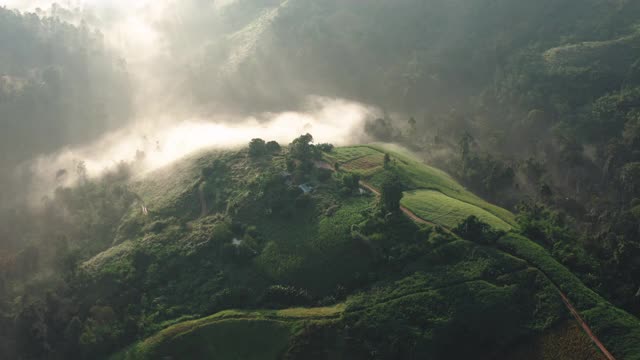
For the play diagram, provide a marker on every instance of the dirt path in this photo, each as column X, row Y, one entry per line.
column 585, row 326
column 576, row 315
column 410, row 214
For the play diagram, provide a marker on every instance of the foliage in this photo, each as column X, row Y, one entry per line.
column 257, row 148
column 302, row 148
column 391, row 193
column 474, row 229
column 272, row 147
column 350, row 183
column 325, row 147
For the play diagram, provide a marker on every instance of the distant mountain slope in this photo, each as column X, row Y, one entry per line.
column 59, row 86
column 403, row 55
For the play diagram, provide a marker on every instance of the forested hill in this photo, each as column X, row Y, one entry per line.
column 279, row 252
column 534, row 102
column 59, row 86
column 533, row 106
column 407, row 55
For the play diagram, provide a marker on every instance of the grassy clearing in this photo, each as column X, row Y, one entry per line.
column 441, row 209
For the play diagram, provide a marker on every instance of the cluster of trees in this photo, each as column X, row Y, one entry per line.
column 391, row 193
column 40, row 267
column 476, row 230
column 258, row 148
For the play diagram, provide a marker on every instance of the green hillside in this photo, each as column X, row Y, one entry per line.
column 493, row 215
column 348, row 280
column 367, row 160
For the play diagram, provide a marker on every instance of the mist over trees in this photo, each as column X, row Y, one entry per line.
column 59, row 86
column 534, row 105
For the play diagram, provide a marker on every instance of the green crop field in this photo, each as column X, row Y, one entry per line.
column 366, row 160
column 441, row 209
column 365, row 166
column 346, row 154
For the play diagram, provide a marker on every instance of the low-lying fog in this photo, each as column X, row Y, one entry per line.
column 143, row 32
column 158, row 142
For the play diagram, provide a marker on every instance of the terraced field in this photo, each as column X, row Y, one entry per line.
column 438, row 208
column 224, row 335
column 366, row 166
column 446, row 209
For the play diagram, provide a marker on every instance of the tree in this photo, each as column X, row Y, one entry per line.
column 476, row 230
column 387, row 160
column 391, row 193
column 257, row 148
column 412, row 123
column 350, row 182
column 413, row 129
column 465, row 146
column 273, row 147
column 302, row 149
